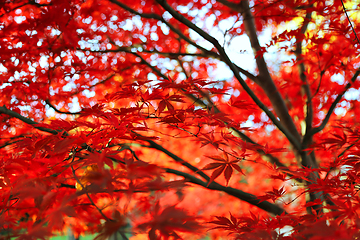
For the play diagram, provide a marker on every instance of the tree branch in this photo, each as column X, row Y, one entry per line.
column 294, row 139
column 87, row 194
column 238, row 133
column 252, row 199
column 331, row 109
column 182, row 36
column 165, row 54
column 178, row 159
column 160, row 18
column 6, row 111
column 307, row 160
column 268, row 85
column 98, row 83
column 47, row 101
column 272, row 208
column 272, row 159
column 338, row 98
column 264, row 79
column 173, row 56
column 244, row 196
column 301, row 68
column 8, row 143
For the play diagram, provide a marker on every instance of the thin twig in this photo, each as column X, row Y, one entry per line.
column 87, row 194
column 351, row 25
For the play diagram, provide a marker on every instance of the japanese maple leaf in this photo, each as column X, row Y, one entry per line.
column 38, row 231
column 336, row 141
column 241, row 104
column 209, row 139
column 223, row 165
column 165, row 223
column 280, row 176
column 112, row 226
column 229, row 224
column 234, row 224
column 55, row 216
column 273, row 195
column 165, row 103
column 271, row 150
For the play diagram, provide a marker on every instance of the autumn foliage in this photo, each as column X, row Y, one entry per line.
column 164, row 119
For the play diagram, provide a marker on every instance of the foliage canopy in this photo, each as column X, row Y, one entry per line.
column 155, row 118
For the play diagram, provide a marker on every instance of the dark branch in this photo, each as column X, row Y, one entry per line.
column 272, row 208
column 294, row 139
column 9, row 143
column 351, row 25
column 244, row 196
column 178, row 159
column 331, row 109
column 101, row 82
column 270, row 158
column 160, row 18
column 206, row 52
column 173, row 56
column 302, row 71
column 87, row 194
column 245, row 138
column 264, row 79
column 165, row 54
column 6, row 111
column 47, row 101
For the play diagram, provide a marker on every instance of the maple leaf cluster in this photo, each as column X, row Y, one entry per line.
column 166, row 119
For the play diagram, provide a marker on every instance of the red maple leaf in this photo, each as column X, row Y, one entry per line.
column 167, row 222
column 223, row 165
column 273, row 195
